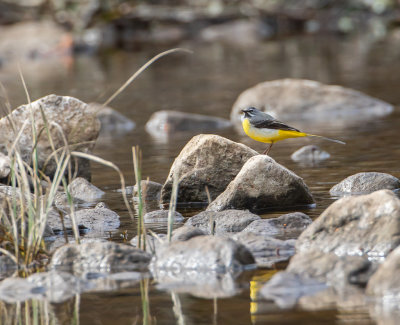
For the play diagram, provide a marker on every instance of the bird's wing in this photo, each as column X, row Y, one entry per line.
column 273, row 124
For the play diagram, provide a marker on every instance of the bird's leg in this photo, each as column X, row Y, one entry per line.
column 266, row 151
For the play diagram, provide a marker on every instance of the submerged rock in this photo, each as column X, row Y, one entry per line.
column 363, row 183
column 164, row 123
column 161, row 216
column 53, row 286
column 99, row 219
column 263, row 184
column 81, row 189
column 224, row 221
column 266, row 250
column 206, row 160
column 72, row 117
column 100, row 256
column 112, row 122
column 203, row 253
column 310, row 154
column 292, row 224
column 367, row 225
column 288, row 99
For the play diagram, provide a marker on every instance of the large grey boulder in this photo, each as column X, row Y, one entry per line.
column 205, row 160
column 99, row 219
column 363, row 183
column 290, row 224
column 69, row 115
column 100, row 256
column 385, row 282
column 203, row 253
column 224, row 221
column 367, row 225
column 81, row 189
column 287, row 99
column 164, row 123
column 263, row 184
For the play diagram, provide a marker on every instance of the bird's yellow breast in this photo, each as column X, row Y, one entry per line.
column 268, row 135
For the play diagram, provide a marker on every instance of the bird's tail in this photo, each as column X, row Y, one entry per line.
column 325, row 138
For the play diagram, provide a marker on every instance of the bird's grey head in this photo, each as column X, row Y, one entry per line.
column 250, row 112
column 254, row 115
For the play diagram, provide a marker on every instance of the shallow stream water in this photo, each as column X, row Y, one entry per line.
column 208, row 82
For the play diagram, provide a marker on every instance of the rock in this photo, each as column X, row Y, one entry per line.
column 291, row 224
column 81, row 189
column 205, row 160
column 337, row 271
column 385, row 282
column 367, row 225
column 266, row 250
column 164, row 123
column 61, row 202
column 100, row 256
column 203, row 253
column 150, row 190
column 79, row 125
column 99, row 219
column 285, row 288
column 240, row 32
column 310, row 154
column 263, row 184
column 5, row 165
column 152, row 242
column 112, row 122
column 186, row 232
column 161, row 216
column 53, row 286
column 287, row 99
column 206, row 285
column 363, row 183
column 225, row 221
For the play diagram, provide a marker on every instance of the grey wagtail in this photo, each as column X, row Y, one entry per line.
column 264, row 128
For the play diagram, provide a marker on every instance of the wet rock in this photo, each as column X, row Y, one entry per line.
column 53, row 286
column 150, row 190
column 363, row 183
column 61, row 202
column 385, row 283
column 161, row 216
column 152, row 242
column 112, row 122
column 285, row 288
column 203, row 253
column 164, row 123
column 224, row 221
column 100, row 256
column 288, row 99
column 310, row 154
column 79, row 125
column 199, row 284
column 240, row 32
column 367, row 225
column 102, row 282
column 99, row 219
column 337, row 271
column 186, row 232
column 266, row 250
column 263, row 184
column 205, row 160
column 81, row 189
column 291, row 224
column 5, row 165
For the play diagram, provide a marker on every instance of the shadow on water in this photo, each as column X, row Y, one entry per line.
column 208, row 82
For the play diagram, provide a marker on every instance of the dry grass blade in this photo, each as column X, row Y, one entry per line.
column 144, row 67
column 172, row 206
column 141, row 230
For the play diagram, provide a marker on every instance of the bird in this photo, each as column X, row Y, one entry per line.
column 264, row 128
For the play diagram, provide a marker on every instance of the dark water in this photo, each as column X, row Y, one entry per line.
column 208, row 82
